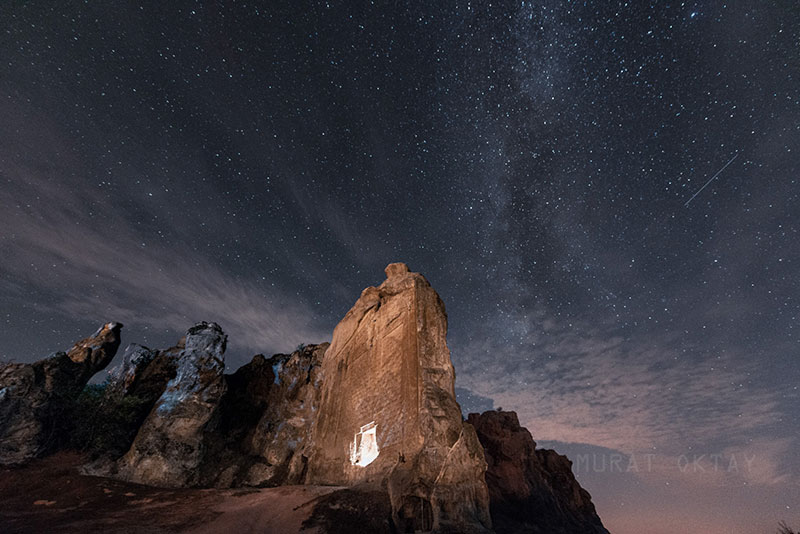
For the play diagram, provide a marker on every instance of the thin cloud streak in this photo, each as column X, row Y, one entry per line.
column 114, row 273
column 584, row 384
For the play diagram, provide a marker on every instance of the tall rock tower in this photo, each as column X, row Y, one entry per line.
column 388, row 415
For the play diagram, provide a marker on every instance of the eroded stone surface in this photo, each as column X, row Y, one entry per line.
column 143, row 373
column 36, row 399
column 265, row 419
column 531, row 490
column 389, row 366
column 132, row 389
column 374, row 412
column 283, row 431
column 169, row 447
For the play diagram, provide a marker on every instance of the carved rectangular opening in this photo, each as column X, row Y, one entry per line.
column 364, row 448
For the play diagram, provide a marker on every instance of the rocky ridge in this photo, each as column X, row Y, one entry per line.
column 35, row 398
column 531, row 490
column 170, row 445
column 374, row 412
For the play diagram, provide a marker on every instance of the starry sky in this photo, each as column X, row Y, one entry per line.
column 605, row 195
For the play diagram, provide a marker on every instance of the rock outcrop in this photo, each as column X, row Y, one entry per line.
column 531, row 490
column 170, row 445
column 143, row 373
column 131, row 391
column 36, row 399
column 374, row 412
column 207, row 429
column 265, row 419
column 283, row 431
column 388, row 416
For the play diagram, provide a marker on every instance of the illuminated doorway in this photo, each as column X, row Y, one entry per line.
column 364, row 449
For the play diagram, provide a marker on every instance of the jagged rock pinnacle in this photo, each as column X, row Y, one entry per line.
column 396, row 269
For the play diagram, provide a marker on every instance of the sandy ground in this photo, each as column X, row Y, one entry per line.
column 50, row 496
column 268, row 511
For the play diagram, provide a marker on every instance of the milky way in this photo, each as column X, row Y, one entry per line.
column 259, row 165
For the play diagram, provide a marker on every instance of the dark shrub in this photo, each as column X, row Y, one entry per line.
column 102, row 427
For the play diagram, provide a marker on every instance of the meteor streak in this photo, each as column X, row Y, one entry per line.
column 710, row 180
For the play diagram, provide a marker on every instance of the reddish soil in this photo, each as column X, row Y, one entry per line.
column 49, row 495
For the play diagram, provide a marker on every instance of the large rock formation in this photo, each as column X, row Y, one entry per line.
column 36, row 399
column 531, row 490
column 131, row 391
column 374, row 411
column 388, row 414
column 265, row 419
column 248, row 428
column 170, row 445
column 143, row 373
column 283, row 431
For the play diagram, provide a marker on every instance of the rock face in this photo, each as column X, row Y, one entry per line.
column 35, row 399
column 283, row 431
column 531, row 490
column 374, row 411
column 170, row 445
column 143, row 373
column 132, row 389
column 205, row 428
column 388, row 415
column 265, row 419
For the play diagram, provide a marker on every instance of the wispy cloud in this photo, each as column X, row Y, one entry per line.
column 585, row 383
column 68, row 240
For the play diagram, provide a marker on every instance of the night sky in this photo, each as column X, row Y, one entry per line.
column 259, row 165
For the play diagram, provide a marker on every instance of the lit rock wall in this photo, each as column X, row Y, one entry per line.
column 389, row 364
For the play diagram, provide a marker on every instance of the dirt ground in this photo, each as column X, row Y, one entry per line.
column 49, row 495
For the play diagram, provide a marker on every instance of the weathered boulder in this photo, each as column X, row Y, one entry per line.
column 169, row 448
column 531, row 490
column 388, row 416
column 122, row 377
column 283, row 431
column 36, row 399
column 265, row 419
column 143, row 373
column 131, row 391
column 229, row 455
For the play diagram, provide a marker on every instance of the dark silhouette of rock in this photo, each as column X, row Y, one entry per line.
column 531, row 490
column 36, row 399
column 248, row 428
column 170, row 445
column 122, row 377
column 144, row 373
column 388, row 416
column 229, row 454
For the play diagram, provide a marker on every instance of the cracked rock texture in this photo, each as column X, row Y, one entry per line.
column 265, row 420
column 373, row 412
column 208, row 429
column 143, row 372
